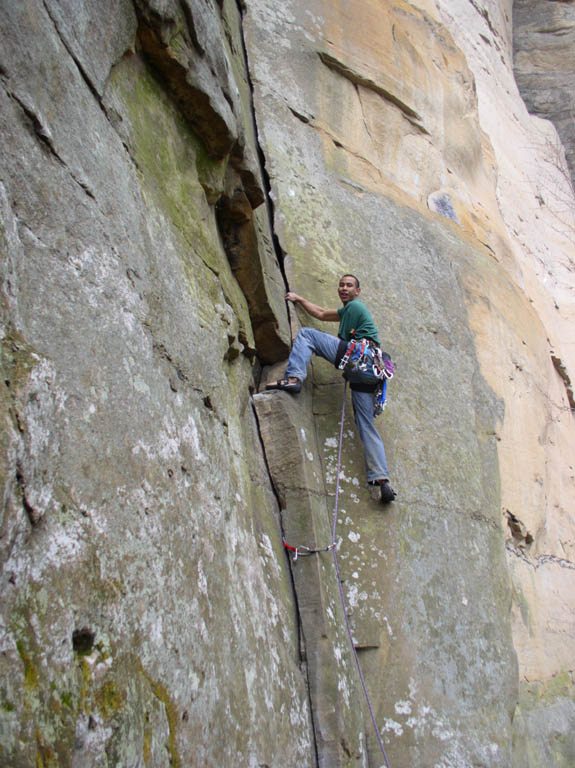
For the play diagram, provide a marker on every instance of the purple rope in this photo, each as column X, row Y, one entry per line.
column 334, row 550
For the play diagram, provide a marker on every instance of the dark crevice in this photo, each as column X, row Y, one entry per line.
column 562, row 371
column 299, row 622
column 193, row 103
column 234, row 216
column 83, row 641
column 300, row 116
column 31, row 513
column 280, row 256
column 520, row 534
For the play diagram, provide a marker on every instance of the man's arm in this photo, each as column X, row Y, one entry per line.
column 330, row 315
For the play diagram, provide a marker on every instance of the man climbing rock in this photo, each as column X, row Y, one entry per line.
column 355, row 325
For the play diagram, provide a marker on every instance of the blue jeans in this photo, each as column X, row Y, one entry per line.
column 308, row 341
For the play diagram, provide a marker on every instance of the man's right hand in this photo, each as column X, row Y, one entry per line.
column 312, row 309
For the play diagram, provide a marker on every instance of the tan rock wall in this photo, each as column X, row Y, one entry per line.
column 418, row 104
column 528, row 354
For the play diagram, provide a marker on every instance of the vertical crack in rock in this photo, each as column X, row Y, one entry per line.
column 234, row 216
column 300, row 628
column 280, row 256
column 213, row 116
column 282, row 422
column 32, row 514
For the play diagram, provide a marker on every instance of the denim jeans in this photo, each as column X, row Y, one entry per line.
column 309, row 341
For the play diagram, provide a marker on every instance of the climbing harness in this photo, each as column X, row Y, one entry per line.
column 341, row 594
column 304, row 551
column 364, row 364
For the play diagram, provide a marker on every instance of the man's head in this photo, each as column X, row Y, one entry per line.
column 348, row 288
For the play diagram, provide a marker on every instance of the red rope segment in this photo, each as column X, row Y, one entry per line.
column 342, row 596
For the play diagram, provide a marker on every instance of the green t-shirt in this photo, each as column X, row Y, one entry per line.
column 355, row 322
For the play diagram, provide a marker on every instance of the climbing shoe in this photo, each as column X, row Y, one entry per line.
column 288, row 386
column 387, row 492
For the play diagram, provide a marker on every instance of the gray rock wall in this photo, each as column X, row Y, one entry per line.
column 168, row 169
column 148, row 616
column 544, row 66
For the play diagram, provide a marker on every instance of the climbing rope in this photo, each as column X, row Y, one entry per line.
column 342, row 596
column 304, row 551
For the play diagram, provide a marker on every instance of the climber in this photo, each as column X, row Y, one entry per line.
column 355, row 323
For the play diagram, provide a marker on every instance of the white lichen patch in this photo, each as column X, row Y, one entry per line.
column 266, row 546
column 403, row 707
column 354, row 536
column 343, row 688
column 392, row 725
column 388, row 626
column 309, row 455
column 353, row 596
column 202, row 579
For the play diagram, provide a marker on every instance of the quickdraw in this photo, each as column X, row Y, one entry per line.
column 304, row 551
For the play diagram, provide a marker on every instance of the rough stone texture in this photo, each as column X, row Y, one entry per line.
column 330, row 175
column 535, row 442
column 544, row 65
column 167, row 169
column 133, row 574
column 293, row 456
column 435, row 637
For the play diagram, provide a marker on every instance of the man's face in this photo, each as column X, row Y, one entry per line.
column 347, row 289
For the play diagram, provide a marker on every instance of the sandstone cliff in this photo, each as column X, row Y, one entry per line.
column 169, row 169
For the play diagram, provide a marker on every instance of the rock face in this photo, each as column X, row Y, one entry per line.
column 544, row 64
column 168, row 170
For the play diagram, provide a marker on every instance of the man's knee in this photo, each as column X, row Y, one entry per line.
column 306, row 332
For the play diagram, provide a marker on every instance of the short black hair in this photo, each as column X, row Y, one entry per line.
column 348, row 274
